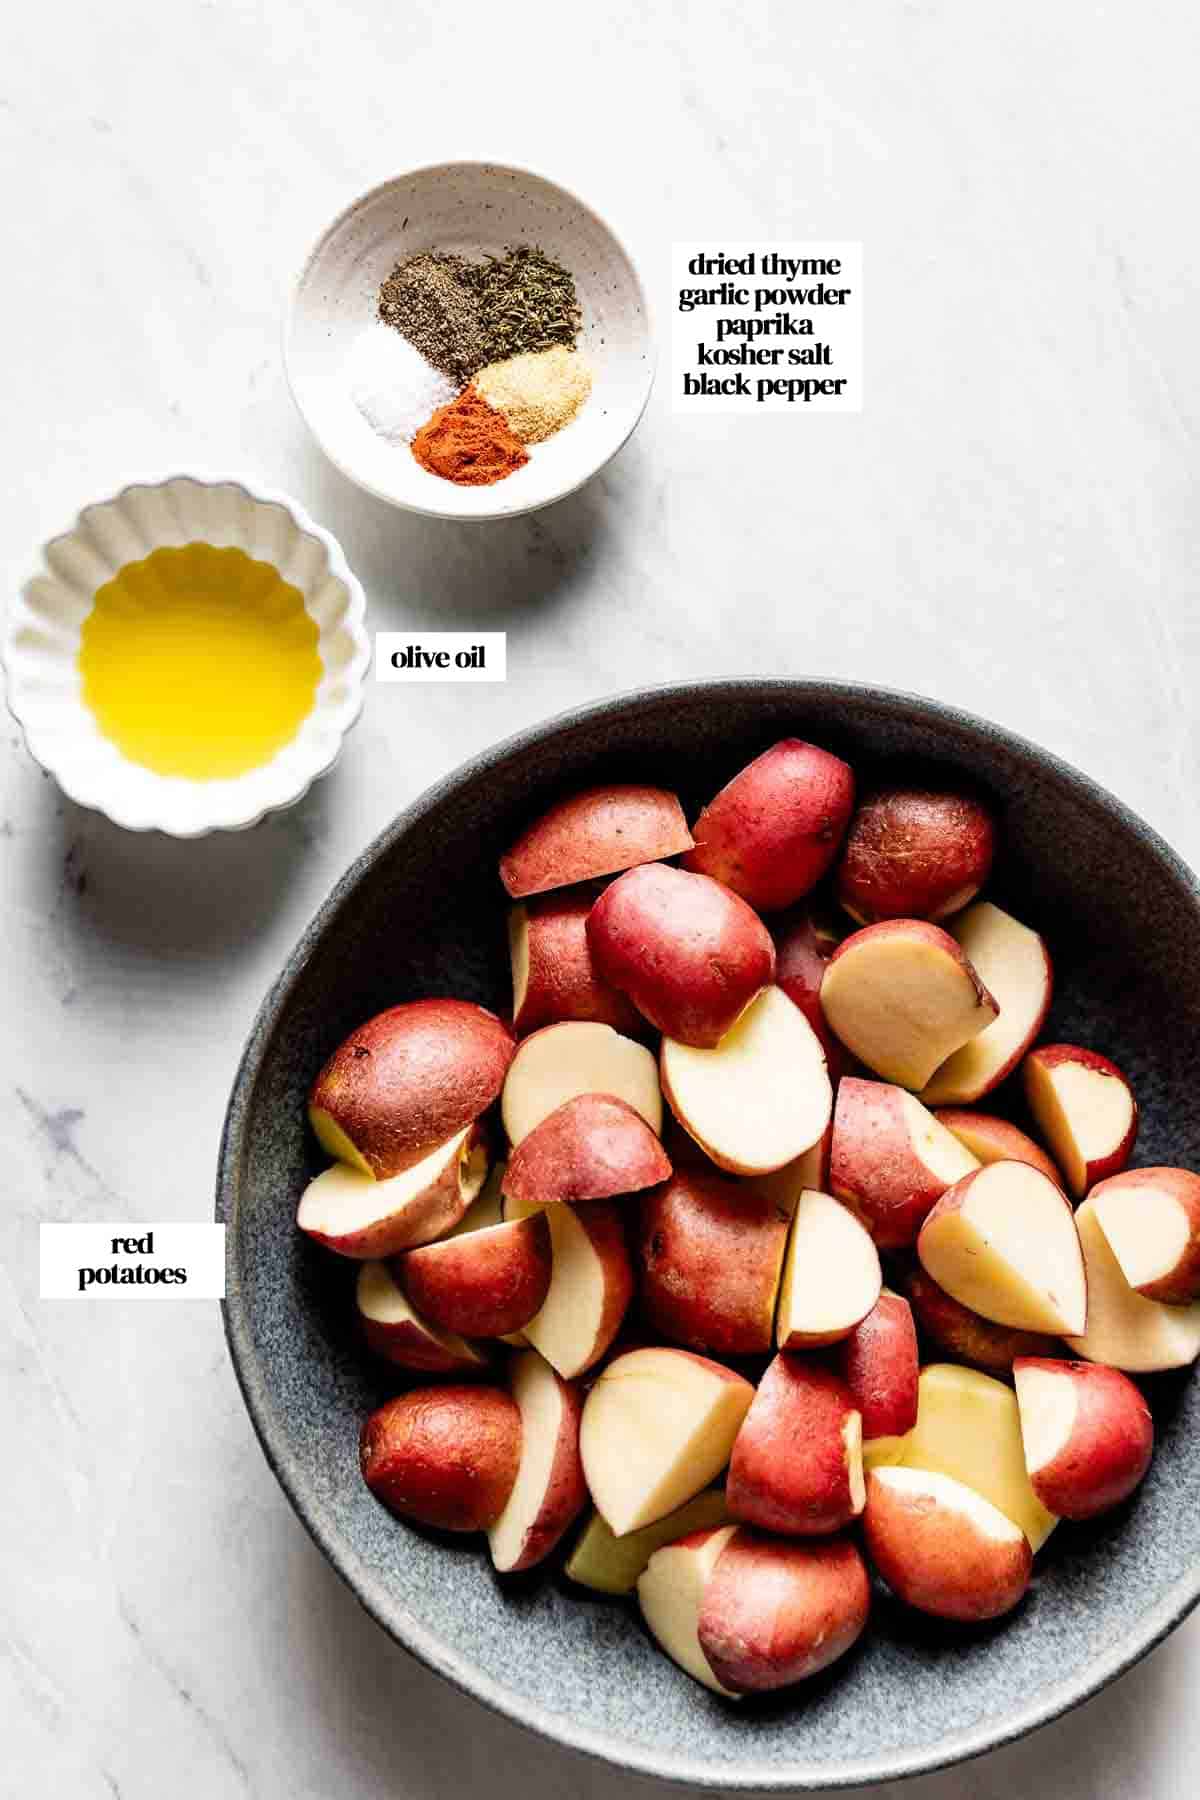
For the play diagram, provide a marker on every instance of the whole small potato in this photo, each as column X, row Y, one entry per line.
column 914, row 853
column 444, row 1456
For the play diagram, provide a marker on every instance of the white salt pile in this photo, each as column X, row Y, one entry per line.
column 392, row 385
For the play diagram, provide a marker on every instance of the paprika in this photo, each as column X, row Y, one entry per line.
column 469, row 442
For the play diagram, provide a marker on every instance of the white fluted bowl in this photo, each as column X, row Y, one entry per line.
column 42, row 639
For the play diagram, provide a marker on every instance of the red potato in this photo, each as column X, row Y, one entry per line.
column 357, row 1216
column 407, row 1081
column 709, row 1253
column 560, row 1062
column 554, row 977
column 773, row 831
column 392, row 1329
column 1085, row 1110
column 591, row 1148
column 994, row 1140
column 1151, row 1218
column 1014, row 965
column 761, row 1097
column 831, row 1275
column 804, row 943
column 671, row 1592
column 880, row 1366
column 796, row 1467
column 1003, row 1242
column 689, row 953
column 914, row 853
column 658, row 1425
column 549, row 1492
column 890, row 1160
column 444, row 1456
column 591, row 1284
column 597, row 832
column 942, row 1548
column 483, row 1283
column 968, row 1427
column 957, row 1331
column 1123, row 1328
column 773, row 1614
column 902, row 997
column 1087, row 1432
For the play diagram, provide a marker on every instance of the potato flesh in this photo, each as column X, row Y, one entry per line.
column 1123, row 1328
column 969, row 1427
column 564, row 1061
column 671, row 1593
column 611, row 1565
column 902, row 1005
column 539, row 1400
column 1010, row 960
column 831, row 1273
column 341, row 1200
column 1148, row 1231
column 1010, row 1252
column 657, row 1427
column 761, row 1097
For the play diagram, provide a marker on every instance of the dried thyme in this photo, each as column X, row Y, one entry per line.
column 462, row 315
column 527, row 302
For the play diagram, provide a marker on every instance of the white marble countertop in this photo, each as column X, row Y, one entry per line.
column 1012, row 525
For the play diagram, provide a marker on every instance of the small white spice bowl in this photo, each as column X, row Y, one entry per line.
column 42, row 638
column 474, row 209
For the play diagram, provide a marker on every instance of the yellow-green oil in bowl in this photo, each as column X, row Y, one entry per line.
column 199, row 662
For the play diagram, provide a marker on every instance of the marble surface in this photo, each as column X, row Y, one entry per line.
column 1011, row 524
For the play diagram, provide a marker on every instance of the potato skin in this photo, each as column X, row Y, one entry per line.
column 773, row 831
column 774, row 1614
column 411, row 1077
column 709, row 1253
column 599, row 831
column 593, row 1147
column 804, row 943
column 687, row 951
column 484, row 1284
column 879, row 1364
column 915, row 853
column 789, row 1471
column 563, row 983
column 934, row 1562
column 443, row 1456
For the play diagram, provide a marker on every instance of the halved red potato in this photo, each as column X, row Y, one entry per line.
column 774, row 1614
column 549, row 1492
column 1087, row 1431
column 890, row 1159
column 599, row 831
column 903, row 997
column 957, row 1331
column 1014, row 965
column 796, row 1466
column 357, row 1216
column 406, row 1082
column 1003, row 1242
column 914, row 853
column 1085, row 1110
column 444, row 1456
column 591, row 1284
column 482, row 1283
column 593, row 1147
column 761, row 1097
column 831, row 1275
column 1123, row 1328
column 553, row 975
column 995, row 1140
column 773, row 831
column 879, row 1364
column 941, row 1547
column 688, row 952
column 393, row 1329
column 1151, row 1218
column 709, row 1253
column 560, row 1062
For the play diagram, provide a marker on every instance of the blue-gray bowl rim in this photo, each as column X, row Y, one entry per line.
column 406, row 1630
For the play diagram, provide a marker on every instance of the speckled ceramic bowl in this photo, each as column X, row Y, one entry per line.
column 475, row 209
column 422, row 912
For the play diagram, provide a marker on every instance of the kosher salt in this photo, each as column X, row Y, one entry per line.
column 392, row 385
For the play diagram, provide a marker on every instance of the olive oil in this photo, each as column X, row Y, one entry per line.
column 199, row 662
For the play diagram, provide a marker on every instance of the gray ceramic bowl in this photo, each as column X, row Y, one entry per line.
column 421, row 912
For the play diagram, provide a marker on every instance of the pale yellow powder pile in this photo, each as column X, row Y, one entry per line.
column 538, row 392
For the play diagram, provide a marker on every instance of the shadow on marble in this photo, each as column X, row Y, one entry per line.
column 438, row 574
column 164, row 897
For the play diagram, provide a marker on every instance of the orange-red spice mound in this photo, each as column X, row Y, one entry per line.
column 468, row 442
